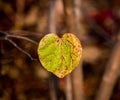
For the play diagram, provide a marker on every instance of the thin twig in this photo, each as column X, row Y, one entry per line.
column 24, row 38
column 6, row 37
column 19, row 37
column 26, row 32
column 3, row 35
column 13, row 43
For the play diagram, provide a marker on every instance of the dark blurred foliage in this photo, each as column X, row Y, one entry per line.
column 23, row 79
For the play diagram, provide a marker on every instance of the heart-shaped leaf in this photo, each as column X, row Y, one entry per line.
column 60, row 55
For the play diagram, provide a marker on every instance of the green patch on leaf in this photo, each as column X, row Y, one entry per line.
column 60, row 55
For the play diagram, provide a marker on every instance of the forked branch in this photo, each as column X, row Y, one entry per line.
column 6, row 36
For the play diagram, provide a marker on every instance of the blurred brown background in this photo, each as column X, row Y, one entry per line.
column 95, row 22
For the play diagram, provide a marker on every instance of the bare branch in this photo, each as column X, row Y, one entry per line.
column 26, row 33
column 78, row 92
column 3, row 35
column 52, row 19
column 6, row 36
column 20, row 49
column 111, row 75
column 73, row 18
column 24, row 38
column 52, row 29
column 68, row 91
